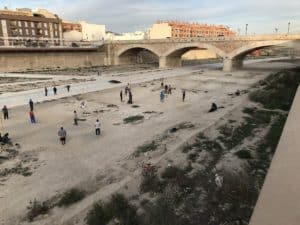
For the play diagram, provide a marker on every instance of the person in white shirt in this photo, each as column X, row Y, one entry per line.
column 97, row 127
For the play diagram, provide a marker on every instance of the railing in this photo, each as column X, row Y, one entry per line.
column 17, row 42
column 214, row 39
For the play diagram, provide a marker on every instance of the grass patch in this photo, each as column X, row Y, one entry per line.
column 150, row 181
column 118, row 209
column 233, row 136
column 132, row 119
column 36, row 208
column 18, row 169
column 279, row 91
column 70, row 197
column 152, row 146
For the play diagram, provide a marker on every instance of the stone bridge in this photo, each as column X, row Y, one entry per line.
column 169, row 51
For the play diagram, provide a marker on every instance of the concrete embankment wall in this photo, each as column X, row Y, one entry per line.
column 279, row 202
column 24, row 61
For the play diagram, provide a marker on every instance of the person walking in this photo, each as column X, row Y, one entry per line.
column 97, row 127
column 68, row 87
column 32, row 117
column 54, row 90
column 183, row 95
column 31, row 104
column 169, row 90
column 130, row 97
column 5, row 112
column 121, row 96
column 62, row 134
column 75, row 118
column 46, row 91
column 127, row 89
column 162, row 96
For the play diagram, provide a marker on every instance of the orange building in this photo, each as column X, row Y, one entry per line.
column 69, row 26
column 175, row 29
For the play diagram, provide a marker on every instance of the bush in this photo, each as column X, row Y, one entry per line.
column 98, row 215
column 145, row 148
column 117, row 208
column 150, row 181
column 37, row 208
column 279, row 91
column 132, row 119
column 243, row 154
column 71, row 196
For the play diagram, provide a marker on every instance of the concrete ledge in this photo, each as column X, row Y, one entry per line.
column 279, row 200
column 74, row 49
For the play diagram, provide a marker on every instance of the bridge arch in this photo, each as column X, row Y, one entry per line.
column 234, row 59
column 172, row 57
column 137, row 54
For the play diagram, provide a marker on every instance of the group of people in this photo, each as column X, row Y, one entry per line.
column 167, row 90
column 127, row 92
column 55, row 90
column 62, row 133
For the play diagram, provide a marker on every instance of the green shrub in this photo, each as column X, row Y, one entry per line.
column 37, row 208
column 117, row 208
column 98, row 215
column 71, row 196
column 152, row 146
column 132, row 119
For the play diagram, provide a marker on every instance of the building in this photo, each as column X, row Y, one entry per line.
column 138, row 35
column 72, row 32
column 92, row 32
column 23, row 27
column 175, row 29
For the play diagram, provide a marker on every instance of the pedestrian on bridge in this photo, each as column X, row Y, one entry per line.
column 46, row 91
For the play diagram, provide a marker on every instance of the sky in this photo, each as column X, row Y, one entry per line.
column 262, row 16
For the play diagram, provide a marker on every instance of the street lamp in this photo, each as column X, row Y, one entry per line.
column 289, row 24
column 246, row 28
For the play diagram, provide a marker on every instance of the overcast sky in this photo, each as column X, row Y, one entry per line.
column 263, row 16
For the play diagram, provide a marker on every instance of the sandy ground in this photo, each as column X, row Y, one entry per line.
column 102, row 164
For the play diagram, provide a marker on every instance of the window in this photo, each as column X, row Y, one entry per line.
column 25, row 24
column 20, row 31
column 45, row 25
column 56, row 33
column 46, row 32
column 33, row 32
column 27, row 32
column 32, row 24
column 19, row 24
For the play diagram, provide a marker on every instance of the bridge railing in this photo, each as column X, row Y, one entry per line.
column 17, row 42
column 214, row 39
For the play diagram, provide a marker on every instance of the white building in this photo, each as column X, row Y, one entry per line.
column 92, row 32
column 138, row 35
